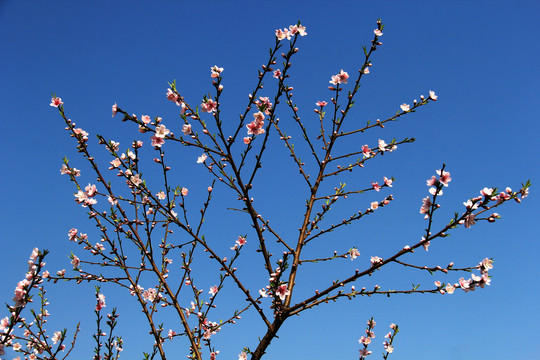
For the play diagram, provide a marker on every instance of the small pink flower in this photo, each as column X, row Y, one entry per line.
column 241, row 241
column 354, row 253
column 213, row 290
column 405, row 107
column 382, row 145
column 366, row 151
column 114, row 109
column 184, row 191
column 283, row 34
column 374, row 205
column 277, row 73
column 75, row 262
column 247, row 140
column 376, row 186
column 469, row 220
column 216, row 71
column 161, row 195
column 432, row 95
column 321, row 103
column 56, row 102
column 375, row 260
column 100, row 302
column 186, row 129
column 171, row 334
column 201, row 159
column 56, row 337
column 209, row 106
column 263, row 293
column 282, row 292
column 146, row 119
column 340, row 78
column 388, row 182
column 426, row 206
column 377, row 32
column 486, row 192
column 72, row 234
column 444, row 177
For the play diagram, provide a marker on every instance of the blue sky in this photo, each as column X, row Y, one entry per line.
column 480, row 59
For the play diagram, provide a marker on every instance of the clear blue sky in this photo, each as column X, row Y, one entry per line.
column 480, row 59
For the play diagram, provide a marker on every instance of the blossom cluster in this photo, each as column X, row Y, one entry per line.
column 290, row 32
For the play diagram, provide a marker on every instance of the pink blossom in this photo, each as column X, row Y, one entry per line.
column 433, row 191
column 364, row 352
column 354, row 253
column 432, row 181
column 366, row 70
column 486, row 264
column 216, row 71
column 56, row 102
column 376, row 186
column 186, row 129
column 136, row 180
column 294, row 29
column 115, row 163
column 172, row 96
column 112, row 201
column 444, row 177
column 100, row 302
column 82, row 133
column 56, row 337
column 75, row 262
column 321, row 103
column 114, row 109
column 282, row 291
column 256, row 126
column 382, row 145
column 161, row 195
column 366, row 151
column 469, row 220
column 263, row 293
column 283, row 34
column 247, row 140
column 405, row 107
column 450, row 288
column 242, row 356
column 264, row 104
column 465, row 284
column 388, row 182
column 486, row 192
column 209, row 106
column 146, row 119
column 213, row 290
column 99, row 246
column 340, row 78
column 201, row 159
column 149, row 294
column 171, row 334
column 4, row 323
column 184, row 191
column 157, row 141
column 72, row 234
column 241, row 241
column 377, row 32
column 374, row 205
column 91, row 190
column 34, row 254
column 277, row 73
column 365, row 340
column 375, row 260
column 213, row 355
column 432, row 95
column 162, row 131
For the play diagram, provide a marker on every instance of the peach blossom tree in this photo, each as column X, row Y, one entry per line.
column 152, row 236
